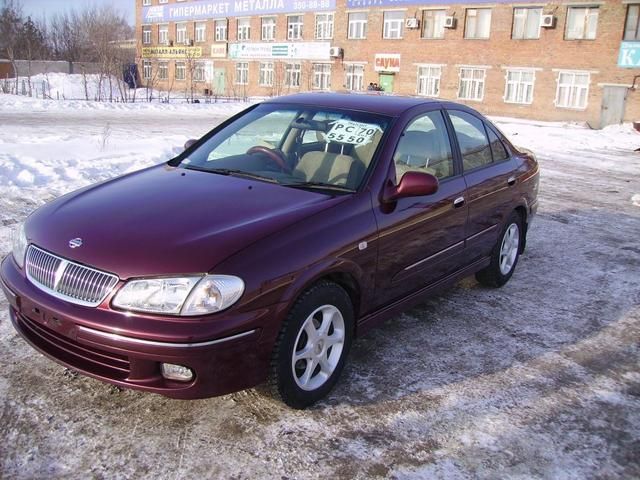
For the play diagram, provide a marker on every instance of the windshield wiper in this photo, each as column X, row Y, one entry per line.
column 319, row 186
column 232, row 172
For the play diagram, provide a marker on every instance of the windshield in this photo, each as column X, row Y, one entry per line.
column 297, row 146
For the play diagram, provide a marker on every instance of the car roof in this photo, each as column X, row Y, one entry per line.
column 390, row 105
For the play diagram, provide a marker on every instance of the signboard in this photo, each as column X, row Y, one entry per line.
column 294, row 50
column 387, row 62
column 172, row 52
column 401, row 3
column 629, row 56
column 203, row 9
column 219, row 50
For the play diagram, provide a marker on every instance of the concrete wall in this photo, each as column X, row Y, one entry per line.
column 45, row 66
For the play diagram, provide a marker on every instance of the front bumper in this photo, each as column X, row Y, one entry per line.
column 227, row 352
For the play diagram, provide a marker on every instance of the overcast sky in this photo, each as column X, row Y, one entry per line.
column 45, row 8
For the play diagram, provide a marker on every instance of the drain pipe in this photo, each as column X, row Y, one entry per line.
column 633, row 85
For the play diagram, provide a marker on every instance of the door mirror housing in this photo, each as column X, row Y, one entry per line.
column 412, row 184
column 189, row 143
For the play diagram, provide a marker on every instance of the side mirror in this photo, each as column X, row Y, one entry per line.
column 189, row 143
column 412, row 184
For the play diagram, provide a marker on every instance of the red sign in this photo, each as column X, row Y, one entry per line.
column 387, row 62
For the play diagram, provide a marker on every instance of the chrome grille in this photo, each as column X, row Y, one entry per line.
column 68, row 280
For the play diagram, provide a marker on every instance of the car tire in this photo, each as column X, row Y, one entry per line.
column 505, row 254
column 312, row 346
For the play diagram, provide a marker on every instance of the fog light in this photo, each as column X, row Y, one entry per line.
column 176, row 372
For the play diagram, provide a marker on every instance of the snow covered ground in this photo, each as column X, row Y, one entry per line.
column 539, row 379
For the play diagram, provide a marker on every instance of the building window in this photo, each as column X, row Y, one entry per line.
column 321, row 76
column 433, row 23
column 163, row 1
column 266, row 74
column 268, row 28
column 471, row 83
column 163, row 70
column 163, row 34
column 201, row 31
column 294, row 27
column 244, row 29
column 393, row 25
column 429, row 80
column 146, row 3
column 292, row 74
column 526, row 23
column 478, row 23
column 582, row 23
column 221, row 30
column 146, row 34
column 146, row 69
column 324, row 26
column 181, row 33
column 632, row 25
column 242, row 73
column 199, row 74
column 357, row 26
column 181, row 71
column 355, row 77
column 573, row 90
column 519, row 86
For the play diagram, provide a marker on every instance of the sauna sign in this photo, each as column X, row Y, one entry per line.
column 387, row 62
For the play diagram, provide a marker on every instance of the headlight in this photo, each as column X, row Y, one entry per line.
column 20, row 244
column 185, row 296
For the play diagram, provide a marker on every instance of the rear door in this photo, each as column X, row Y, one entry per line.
column 489, row 173
column 421, row 238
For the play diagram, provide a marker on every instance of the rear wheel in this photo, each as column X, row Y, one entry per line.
column 505, row 254
column 312, row 346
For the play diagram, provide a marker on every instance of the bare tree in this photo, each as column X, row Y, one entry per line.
column 11, row 32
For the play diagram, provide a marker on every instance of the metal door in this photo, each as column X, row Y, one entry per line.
column 613, row 102
column 386, row 82
column 218, row 81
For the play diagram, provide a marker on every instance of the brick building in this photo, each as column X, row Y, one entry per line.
column 571, row 60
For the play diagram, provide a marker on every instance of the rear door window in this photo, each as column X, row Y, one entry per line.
column 472, row 139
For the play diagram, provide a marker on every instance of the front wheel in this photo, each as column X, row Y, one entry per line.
column 312, row 346
column 504, row 256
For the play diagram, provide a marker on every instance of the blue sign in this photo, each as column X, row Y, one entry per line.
column 203, row 9
column 400, row 3
column 629, row 55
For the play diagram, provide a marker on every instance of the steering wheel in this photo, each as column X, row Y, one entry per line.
column 274, row 154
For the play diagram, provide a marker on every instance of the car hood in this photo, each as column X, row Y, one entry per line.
column 166, row 220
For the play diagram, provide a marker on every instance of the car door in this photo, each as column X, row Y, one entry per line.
column 489, row 173
column 421, row 238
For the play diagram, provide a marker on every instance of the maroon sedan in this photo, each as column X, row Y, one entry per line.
column 262, row 251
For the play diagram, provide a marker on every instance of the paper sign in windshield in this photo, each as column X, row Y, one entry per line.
column 354, row 133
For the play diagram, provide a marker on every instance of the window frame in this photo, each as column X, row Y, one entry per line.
column 266, row 72
column 524, row 26
column 360, row 25
column 243, row 25
column 573, row 85
column 269, row 28
column 518, row 84
column 147, row 69
column 588, row 9
column 181, row 27
column 146, row 3
column 147, row 33
column 393, row 25
column 486, row 127
column 163, row 66
column 293, row 70
column 180, row 66
column 323, row 75
column 322, row 26
column 163, row 28
column 295, row 29
column 476, row 16
column 200, row 27
column 460, row 80
column 241, row 73
column 436, row 27
column 626, row 20
column 220, row 25
column 420, row 77
column 350, row 74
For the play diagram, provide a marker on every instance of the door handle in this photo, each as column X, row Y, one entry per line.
column 512, row 181
column 458, row 202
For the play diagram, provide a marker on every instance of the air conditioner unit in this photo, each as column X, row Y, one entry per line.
column 335, row 52
column 412, row 22
column 548, row 21
column 449, row 22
